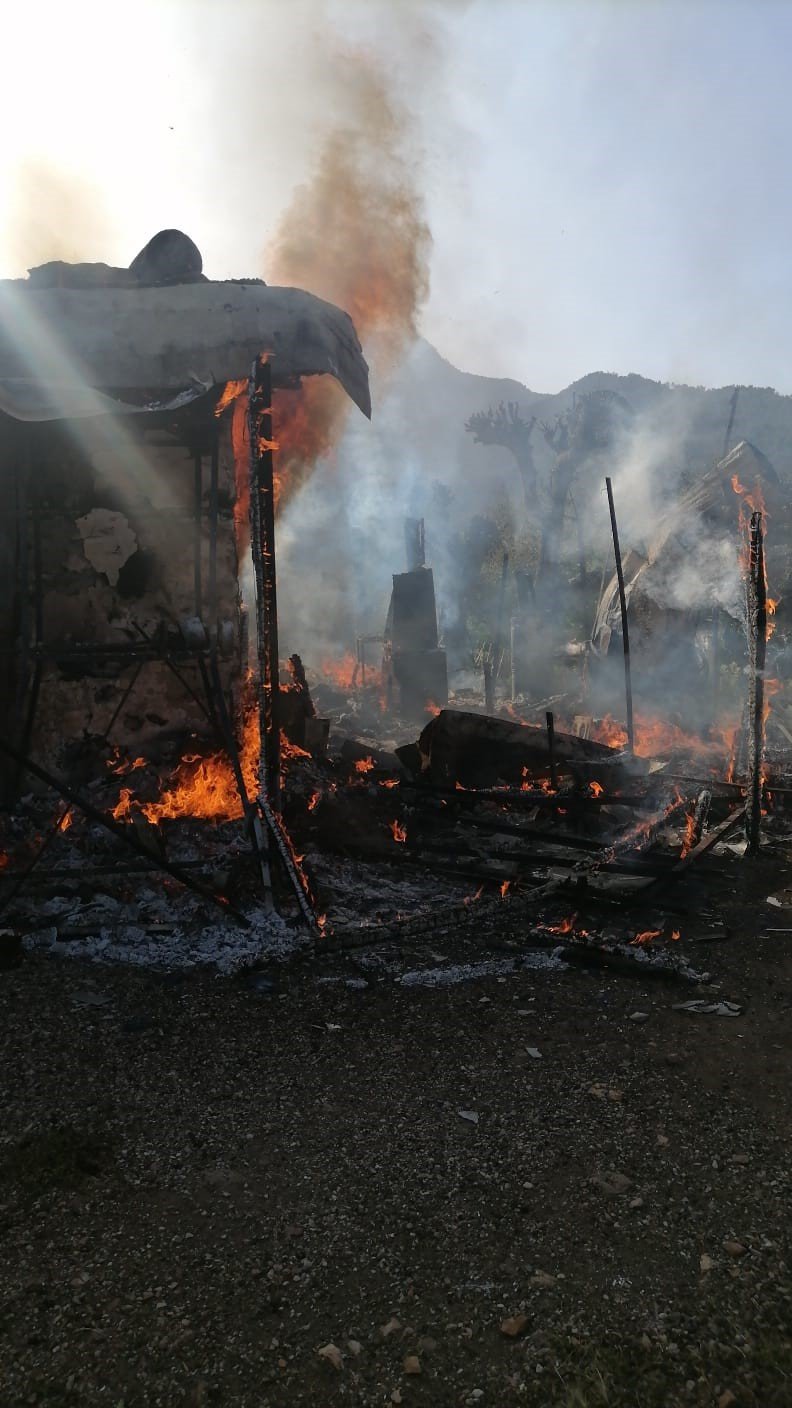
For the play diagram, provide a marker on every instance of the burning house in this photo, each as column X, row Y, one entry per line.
column 125, row 478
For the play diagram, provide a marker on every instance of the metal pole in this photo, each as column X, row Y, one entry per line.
column 625, row 633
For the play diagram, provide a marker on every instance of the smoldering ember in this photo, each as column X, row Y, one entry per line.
column 548, row 768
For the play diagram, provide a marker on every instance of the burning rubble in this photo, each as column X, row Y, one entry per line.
column 373, row 787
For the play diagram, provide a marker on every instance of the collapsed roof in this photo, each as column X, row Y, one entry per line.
column 157, row 329
column 707, row 508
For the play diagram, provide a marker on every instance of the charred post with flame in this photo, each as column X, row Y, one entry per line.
column 756, row 592
column 262, row 546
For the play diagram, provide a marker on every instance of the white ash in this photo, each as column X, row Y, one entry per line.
column 468, row 972
column 224, row 945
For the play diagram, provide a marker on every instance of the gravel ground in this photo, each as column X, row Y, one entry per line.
column 508, row 1190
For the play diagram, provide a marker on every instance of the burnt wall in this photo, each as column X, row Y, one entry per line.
column 103, row 584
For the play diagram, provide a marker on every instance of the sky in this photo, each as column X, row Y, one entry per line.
column 607, row 182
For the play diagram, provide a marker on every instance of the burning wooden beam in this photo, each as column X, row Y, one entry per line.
column 262, row 546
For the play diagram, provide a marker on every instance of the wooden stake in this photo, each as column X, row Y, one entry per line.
column 625, row 632
column 551, row 750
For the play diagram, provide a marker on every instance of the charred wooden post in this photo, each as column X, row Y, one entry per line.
column 756, row 592
column 514, row 646
column 551, row 750
column 262, row 546
column 489, row 682
column 623, row 608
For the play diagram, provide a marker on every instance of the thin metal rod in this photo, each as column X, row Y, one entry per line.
column 730, row 426
column 124, row 697
column 122, row 833
column 625, row 632
column 262, row 543
column 166, row 660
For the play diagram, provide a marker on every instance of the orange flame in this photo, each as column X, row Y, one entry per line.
column 291, row 750
column 675, row 935
column 753, row 498
column 646, row 936
column 690, row 835
column 125, row 765
column 339, row 672
column 504, row 889
column 364, row 765
column 471, row 899
column 231, row 391
column 596, row 789
column 398, row 832
column 565, row 927
column 204, row 788
column 389, row 782
column 654, row 737
column 314, row 801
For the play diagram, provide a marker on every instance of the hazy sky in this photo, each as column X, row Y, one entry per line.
column 607, row 184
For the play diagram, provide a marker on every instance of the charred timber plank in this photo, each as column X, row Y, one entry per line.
column 520, row 797
column 465, row 747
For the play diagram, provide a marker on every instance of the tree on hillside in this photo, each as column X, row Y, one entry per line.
column 503, row 425
column 584, row 436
